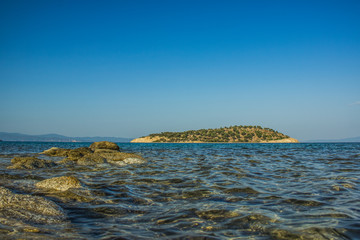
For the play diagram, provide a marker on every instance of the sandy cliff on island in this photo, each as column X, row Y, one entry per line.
column 156, row 139
column 286, row 140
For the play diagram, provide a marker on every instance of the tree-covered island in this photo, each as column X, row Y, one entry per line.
column 232, row 134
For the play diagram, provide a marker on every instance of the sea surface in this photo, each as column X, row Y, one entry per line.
column 201, row 191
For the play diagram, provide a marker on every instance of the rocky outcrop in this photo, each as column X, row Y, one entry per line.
column 60, row 183
column 30, row 163
column 29, row 208
column 104, row 145
column 55, row 151
column 75, row 154
column 112, row 155
column 97, row 153
column 91, row 159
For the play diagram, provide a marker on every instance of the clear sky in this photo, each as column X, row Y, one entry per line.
column 131, row 68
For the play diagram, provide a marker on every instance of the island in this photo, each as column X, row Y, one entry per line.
column 232, row 134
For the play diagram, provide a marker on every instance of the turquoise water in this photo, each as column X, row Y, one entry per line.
column 202, row 191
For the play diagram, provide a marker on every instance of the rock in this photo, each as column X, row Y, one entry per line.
column 97, row 153
column 134, row 160
column 127, row 161
column 91, row 159
column 112, row 155
column 29, row 208
column 104, row 145
column 60, row 183
column 30, row 163
column 56, row 152
column 76, row 154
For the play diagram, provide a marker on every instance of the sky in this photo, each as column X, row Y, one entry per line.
column 129, row 68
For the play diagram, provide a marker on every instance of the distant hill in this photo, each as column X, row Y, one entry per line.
column 354, row 139
column 4, row 136
column 233, row 134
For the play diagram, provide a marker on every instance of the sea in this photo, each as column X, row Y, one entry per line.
column 199, row 191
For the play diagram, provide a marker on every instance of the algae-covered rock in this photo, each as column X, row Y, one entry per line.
column 76, row 154
column 112, row 155
column 97, row 153
column 60, row 183
column 30, row 163
column 56, row 152
column 91, row 159
column 104, row 145
column 29, row 208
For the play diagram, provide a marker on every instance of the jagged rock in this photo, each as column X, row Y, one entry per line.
column 30, row 163
column 56, row 152
column 29, row 208
column 60, row 183
column 104, row 145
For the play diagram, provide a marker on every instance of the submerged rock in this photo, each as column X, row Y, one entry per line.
column 29, row 208
column 104, row 145
column 60, row 183
column 30, row 163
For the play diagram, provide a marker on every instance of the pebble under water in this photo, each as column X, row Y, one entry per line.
column 197, row 191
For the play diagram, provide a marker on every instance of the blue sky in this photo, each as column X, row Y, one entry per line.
column 131, row 68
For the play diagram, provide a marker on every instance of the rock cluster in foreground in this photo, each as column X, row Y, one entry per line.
column 97, row 153
column 28, row 208
column 18, row 209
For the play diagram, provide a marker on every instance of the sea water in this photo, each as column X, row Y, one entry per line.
column 201, row 191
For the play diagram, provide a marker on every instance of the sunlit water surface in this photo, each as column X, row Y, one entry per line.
column 204, row 191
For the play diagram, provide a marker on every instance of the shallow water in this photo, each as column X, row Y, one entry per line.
column 201, row 191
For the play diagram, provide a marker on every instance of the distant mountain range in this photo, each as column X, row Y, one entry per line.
column 4, row 136
column 354, row 139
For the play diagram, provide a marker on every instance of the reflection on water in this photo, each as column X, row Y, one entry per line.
column 201, row 191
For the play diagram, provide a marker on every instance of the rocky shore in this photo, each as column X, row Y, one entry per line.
column 26, row 206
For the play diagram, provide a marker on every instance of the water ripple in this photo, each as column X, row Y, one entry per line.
column 202, row 191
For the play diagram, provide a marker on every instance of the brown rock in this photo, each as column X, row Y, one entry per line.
column 30, row 163
column 104, row 145
column 56, row 152
column 76, row 154
column 29, row 208
column 112, row 155
column 60, row 183
column 91, row 159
